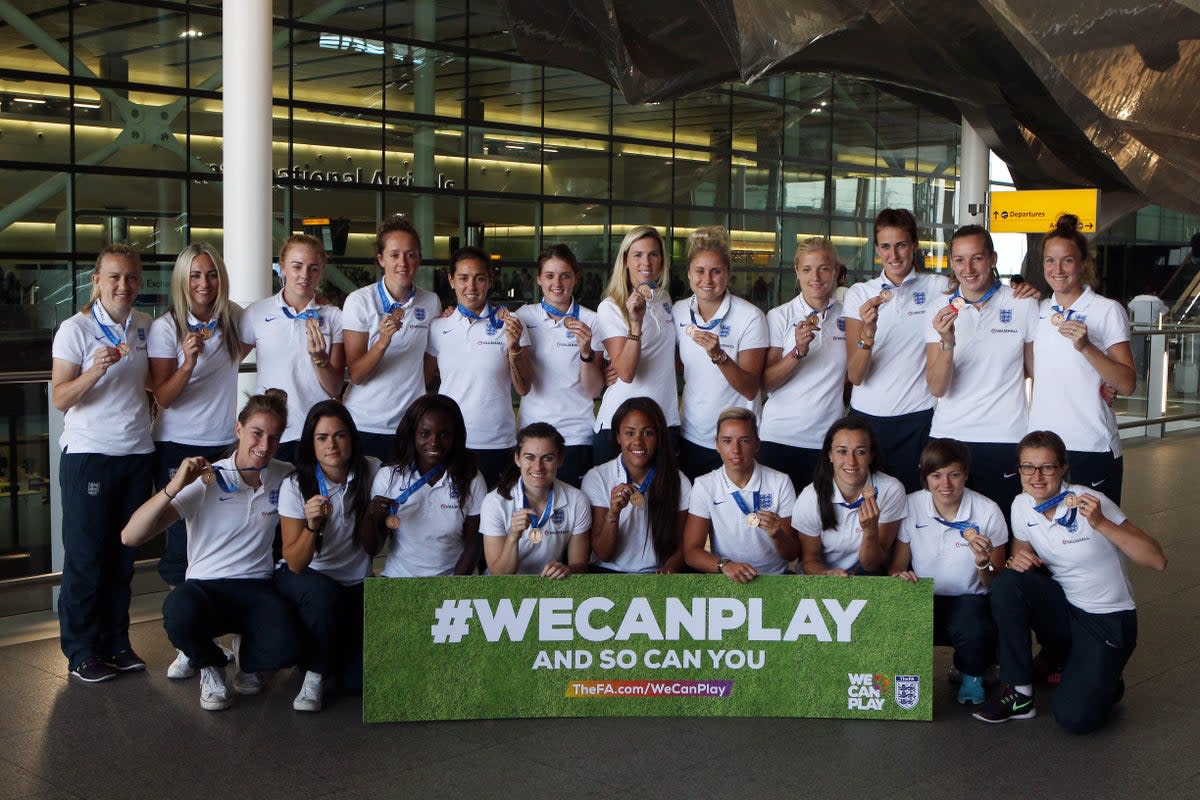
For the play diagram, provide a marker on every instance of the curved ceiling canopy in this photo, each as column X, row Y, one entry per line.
column 1068, row 92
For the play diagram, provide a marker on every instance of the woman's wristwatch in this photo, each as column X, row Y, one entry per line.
column 721, row 562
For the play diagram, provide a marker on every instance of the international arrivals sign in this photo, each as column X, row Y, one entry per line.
column 647, row 645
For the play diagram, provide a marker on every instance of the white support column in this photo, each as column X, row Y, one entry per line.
column 1156, row 383
column 246, row 139
column 974, row 177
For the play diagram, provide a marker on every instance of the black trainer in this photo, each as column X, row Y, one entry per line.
column 93, row 670
column 1011, row 704
column 127, row 661
column 1046, row 671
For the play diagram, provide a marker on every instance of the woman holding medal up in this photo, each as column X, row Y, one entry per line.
column 532, row 523
column 194, row 355
column 635, row 324
column 99, row 379
column 848, row 516
column 722, row 343
column 1066, row 582
column 806, row 366
column 978, row 352
column 566, row 374
column 386, row 332
column 958, row 538
column 481, row 353
column 298, row 336
column 640, row 498
column 320, row 505
column 1082, row 343
column 231, row 514
column 742, row 506
column 425, row 503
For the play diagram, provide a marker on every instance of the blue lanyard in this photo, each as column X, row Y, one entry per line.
column 987, row 295
column 961, row 527
column 308, row 313
column 536, row 524
column 402, row 498
column 1067, row 313
column 112, row 337
column 225, row 485
column 641, row 489
column 554, row 312
column 1067, row 519
column 386, row 306
column 489, row 314
column 704, row 326
column 859, row 501
column 203, row 326
column 741, row 504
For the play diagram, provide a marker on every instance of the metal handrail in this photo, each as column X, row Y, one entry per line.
column 55, row 578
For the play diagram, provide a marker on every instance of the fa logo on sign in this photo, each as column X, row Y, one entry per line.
column 908, row 691
column 94, row 488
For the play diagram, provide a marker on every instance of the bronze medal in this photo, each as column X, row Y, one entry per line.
column 1057, row 319
column 393, row 522
column 646, row 290
column 813, row 321
column 885, row 295
column 637, row 499
column 691, row 331
column 970, row 534
column 868, row 491
column 123, row 348
column 752, row 520
column 958, row 303
column 203, row 333
column 397, row 316
column 326, row 508
column 535, row 535
column 1071, row 501
column 208, row 477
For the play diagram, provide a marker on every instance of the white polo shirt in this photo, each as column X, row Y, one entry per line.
column 472, row 358
column 230, row 534
column 1066, row 389
column 895, row 382
column 730, row 536
column 839, row 545
column 340, row 557
column 799, row 413
column 113, row 417
column 985, row 401
column 572, row 516
column 1087, row 565
column 429, row 541
column 378, row 404
column 205, row 411
column 940, row 552
column 556, row 395
column 283, row 360
column 655, row 376
column 635, row 543
column 706, row 392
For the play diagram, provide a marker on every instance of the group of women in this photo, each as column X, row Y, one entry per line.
column 651, row 483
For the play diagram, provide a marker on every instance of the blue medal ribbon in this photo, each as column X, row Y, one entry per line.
column 645, row 484
column 573, row 313
column 308, row 313
column 961, row 527
column 227, row 486
column 112, row 337
column 488, row 315
column 209, row 326
column 1067, row 313
column 536, row 523
column 704, row 326
column 1067, row 520
column 402, row 498
column 322, row 486
column 741, row 504
column 386, row 304
column 859, row 501
column 987, row 295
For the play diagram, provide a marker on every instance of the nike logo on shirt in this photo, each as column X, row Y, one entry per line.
column 717, row 502
column 98, row 338
column 1030, row 524
column 1009, row 474
column 918, row 525
column 446, row 330
column 270, row 319
column 223, row 499
column 1097, row 483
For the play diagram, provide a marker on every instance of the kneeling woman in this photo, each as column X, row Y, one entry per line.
column 425, row 505
column 958, row 538
column 1082, row 608
column 532, row 523
column 751, row 535
column 640, row 498
column 231, row 516
column 848, row 516
column 325, row 561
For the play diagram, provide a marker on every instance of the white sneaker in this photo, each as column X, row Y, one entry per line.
column 180, row 669
column 312, row 693
column 244, row 683
column 214, row 696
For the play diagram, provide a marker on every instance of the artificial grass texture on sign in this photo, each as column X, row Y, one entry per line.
column 409, row 676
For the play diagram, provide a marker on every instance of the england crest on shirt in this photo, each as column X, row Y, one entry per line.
column 273, row 497
column 1006, row 315
column 558, row 517
column 766, row 501
column 420, row 314
column 841, row 324
column 919, row 298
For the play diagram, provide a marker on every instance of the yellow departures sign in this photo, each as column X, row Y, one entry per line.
column 1036, row 211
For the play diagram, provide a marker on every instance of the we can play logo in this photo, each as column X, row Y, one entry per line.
column 866, row 691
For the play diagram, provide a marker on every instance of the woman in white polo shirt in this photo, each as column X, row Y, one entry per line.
column 425, row 503
column 99, row 378
column 956, row 537
column 722, row 342
column 848, row 516
column 640, row 498
column 741, row 508
column 565, row 373
column 979, row 350
column 1081, row 344
column 298, row 336
column 635, row 325
column 805, row 375
column 194, row 355
column 386, row 330
column 532, row 523
column 320, row 505
column 482, row 357
column 1066, row 581
column 231, row 514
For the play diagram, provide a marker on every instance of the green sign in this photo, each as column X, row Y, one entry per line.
column 648, row 645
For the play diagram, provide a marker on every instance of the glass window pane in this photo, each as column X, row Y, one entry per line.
column 576, row 102
column 150, row 45
column 505, row 92
column 576, row 167
column 644, row 173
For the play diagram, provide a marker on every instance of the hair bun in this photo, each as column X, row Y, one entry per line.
column 712, row 237
column 1067, row 223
